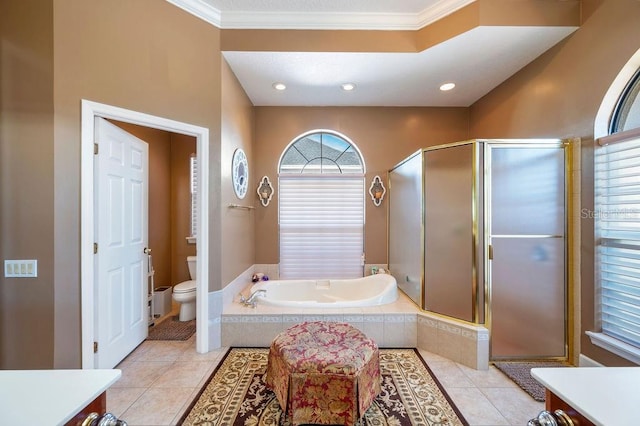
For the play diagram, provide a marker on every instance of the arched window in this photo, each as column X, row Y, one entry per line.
column 321, row 208
column 323, row 153
column 626, row 115
column 617, row 228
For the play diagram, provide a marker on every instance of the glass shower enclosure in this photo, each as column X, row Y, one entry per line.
column 477, row 233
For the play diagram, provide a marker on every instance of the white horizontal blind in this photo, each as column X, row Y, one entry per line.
column 321, row 226
column 617, row 224
column 194, row 195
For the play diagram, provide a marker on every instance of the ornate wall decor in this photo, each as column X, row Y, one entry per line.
column 265, row 191
column 377, row 191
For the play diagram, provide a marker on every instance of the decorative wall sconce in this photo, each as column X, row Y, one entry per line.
column 377, row 191
column 265, row 191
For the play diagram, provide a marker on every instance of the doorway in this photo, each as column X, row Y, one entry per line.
column 526, row 236
column 91, row 110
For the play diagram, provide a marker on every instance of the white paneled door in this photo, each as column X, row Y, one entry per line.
column 121, row 212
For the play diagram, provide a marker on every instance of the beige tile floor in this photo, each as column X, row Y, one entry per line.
column 161, row 378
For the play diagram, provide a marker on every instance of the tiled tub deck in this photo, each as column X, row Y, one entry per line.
column 396, row 325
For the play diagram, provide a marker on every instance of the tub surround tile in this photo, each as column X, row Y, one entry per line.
column 333, row 318
column 311, row 318
column 368, row 266
column 239, row 284
column 351, row 317
column 374, row 330
column 394, row 336
column 353, row 310
column 272, row 270
column 397, row 324
column 292, row 319
column 427, row 333
column 449, row 344
column 232, row 333
column 455, row 340
column 368, row 318
column 393, row 318
column 410, row 338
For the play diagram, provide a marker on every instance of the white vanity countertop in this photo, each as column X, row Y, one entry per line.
column 49, row 397
column 608, row 396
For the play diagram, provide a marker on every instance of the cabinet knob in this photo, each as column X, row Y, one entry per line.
column 107, row 419
column 547, row 418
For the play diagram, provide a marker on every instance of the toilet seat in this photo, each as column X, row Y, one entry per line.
column 185, row 287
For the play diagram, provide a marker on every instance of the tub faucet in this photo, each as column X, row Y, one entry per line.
column 251, row 300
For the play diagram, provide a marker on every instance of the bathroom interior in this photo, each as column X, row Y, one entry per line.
column 171, row 231
column 163, row 74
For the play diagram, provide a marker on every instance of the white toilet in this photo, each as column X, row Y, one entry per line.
column 185, row 293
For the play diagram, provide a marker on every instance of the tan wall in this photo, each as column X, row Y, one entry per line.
column 149, row 56
column 385, row 136
column 237, row 226
column 169, row 201
column 143, row 55
column 558, row 95
column 26, row 182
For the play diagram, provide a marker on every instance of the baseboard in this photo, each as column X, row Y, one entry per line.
column 585, row 361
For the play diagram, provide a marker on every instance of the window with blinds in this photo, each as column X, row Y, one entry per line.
column 617, row 224
column 321, row 227
column 194, row 194
column 321, row 208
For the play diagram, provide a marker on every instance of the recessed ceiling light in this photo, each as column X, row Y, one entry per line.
column 447, row 86
column 347, row 87
column 279, row 86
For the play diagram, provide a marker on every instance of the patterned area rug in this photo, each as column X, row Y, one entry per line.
column 236, row 394
column 172, row 329
column 520, row 374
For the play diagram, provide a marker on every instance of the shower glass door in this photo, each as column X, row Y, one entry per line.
column 405, row 225
column 526, row 235
column 450, row 272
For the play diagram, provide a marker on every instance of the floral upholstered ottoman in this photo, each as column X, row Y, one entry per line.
column 323, row 373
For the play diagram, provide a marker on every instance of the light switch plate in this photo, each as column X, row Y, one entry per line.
column 26, row 268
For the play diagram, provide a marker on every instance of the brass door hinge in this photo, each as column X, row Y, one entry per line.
column 490, row 252
column 95, row 248
column 95, row 149
column 95, row 347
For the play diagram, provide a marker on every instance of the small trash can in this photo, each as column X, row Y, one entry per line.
column 162, row 301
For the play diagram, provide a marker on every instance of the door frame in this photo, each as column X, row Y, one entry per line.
column 569, row 214
column 89, row 111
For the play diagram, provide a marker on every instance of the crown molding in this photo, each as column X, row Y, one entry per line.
column 439, row 11
column 200, row 9
column 320, row 20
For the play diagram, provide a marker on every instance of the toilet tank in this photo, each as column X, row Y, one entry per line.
column 191, row 262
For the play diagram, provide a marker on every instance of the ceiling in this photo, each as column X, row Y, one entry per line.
column 476, row 61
